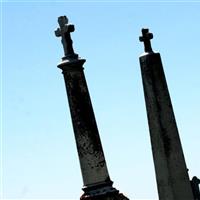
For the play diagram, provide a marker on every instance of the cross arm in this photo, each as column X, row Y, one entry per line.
column 57, row 32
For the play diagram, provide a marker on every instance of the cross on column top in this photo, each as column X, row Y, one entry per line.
column 146, row 37
column 64, row 32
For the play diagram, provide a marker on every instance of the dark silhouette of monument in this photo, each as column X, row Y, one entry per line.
column 170, row 167
column 97, row 183
column 195, row 187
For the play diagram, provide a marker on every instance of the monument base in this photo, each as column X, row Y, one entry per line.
column 102, row 191
column 108, row 196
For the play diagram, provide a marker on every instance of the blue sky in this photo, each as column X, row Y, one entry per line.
column 39, row 155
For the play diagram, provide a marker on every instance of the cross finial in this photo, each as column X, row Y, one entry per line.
column 146, row 37
column 64, row 32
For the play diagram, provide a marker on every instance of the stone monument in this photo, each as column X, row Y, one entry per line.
column 170, row 167
column 96, row 180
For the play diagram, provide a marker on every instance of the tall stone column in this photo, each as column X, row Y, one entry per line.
column 170, row 167
column 97, row 183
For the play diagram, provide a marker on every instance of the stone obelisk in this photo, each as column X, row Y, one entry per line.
column 170, row 167
column 96, row 180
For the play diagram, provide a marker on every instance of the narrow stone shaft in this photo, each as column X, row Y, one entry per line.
column 92, row 161
column 97, row 183
column 170, row 167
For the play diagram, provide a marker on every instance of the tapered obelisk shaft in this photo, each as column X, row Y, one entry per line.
column 89, row 147
column 170, row 167
column 97, row 183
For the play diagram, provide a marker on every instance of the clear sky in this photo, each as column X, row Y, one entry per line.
column 39, row 155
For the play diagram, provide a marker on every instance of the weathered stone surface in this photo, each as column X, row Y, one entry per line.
column 97, row 183
column 92, row 161
column 171, row 171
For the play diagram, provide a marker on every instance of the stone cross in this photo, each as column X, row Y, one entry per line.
column 146, row 37
column 64, row 32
